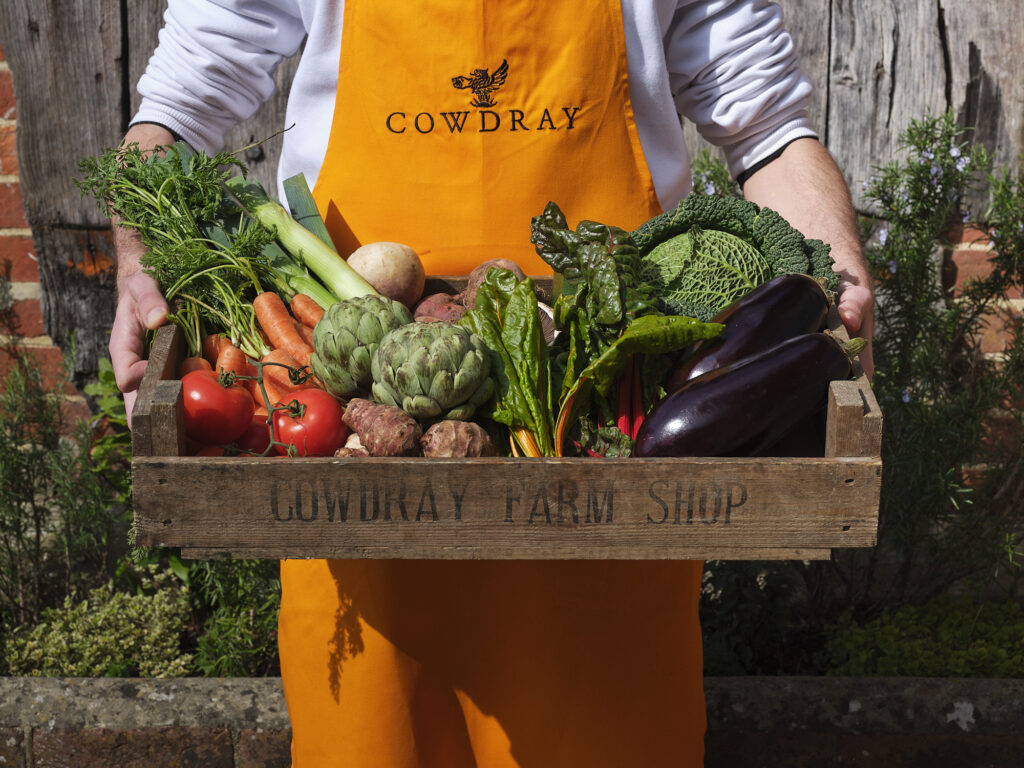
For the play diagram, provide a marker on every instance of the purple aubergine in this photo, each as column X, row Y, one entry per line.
column 745, row 408
column 784, row 307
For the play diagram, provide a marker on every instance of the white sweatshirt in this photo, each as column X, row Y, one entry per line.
column 728, row 66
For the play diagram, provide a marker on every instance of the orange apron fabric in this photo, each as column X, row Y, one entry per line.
column 489, row 664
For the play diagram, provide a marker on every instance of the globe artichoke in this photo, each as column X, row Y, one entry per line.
column 345, row 338
column 434, row 369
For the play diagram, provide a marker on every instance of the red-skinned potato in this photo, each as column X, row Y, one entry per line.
column 439, row 306
column 393, row 269
column 468, row 296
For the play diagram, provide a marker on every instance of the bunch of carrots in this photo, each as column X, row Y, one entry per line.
column 287, row 332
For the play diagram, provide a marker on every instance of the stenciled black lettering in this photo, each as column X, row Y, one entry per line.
column 457, row 497
column 690, row 491
column 391, row 497
column 540, row 501
column 568, row 492
column 390, row 127
column 429, row 122
column 369, row 501
column 596, row 510
column 274, row 507
column 570, row 115
column 456, row 120
column 511, row 499
column 483, row 121
column 652, row 492
column 428, row 504
column 705, row 496
column 731, row 503
column 517, row 116
column 335, row 498
column 546, row 119
column 314, row 505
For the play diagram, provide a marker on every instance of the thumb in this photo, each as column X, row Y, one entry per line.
column 150, row 306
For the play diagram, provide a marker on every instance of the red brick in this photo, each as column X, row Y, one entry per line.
column 51, row 363
column 264, row 749
column 17, row 255
column 998, row 331
column 8, row 151
column 8, row 107
column 1002, row 435
column 968, row 235
column 12, row 209
column 28, row 318
column 168, row 747
column 1, row 53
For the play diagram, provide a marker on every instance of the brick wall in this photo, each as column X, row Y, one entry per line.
column 968, row 259
column 18, row 261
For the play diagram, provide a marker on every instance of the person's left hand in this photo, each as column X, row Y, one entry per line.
column 856, row 307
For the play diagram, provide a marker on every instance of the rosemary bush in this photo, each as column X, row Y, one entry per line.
column 949, row 509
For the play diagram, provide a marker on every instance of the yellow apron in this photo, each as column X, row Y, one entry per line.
column 455, row 123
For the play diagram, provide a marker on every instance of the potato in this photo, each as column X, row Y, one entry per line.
column 393, row 269
column 439, row 306
column 477, row 276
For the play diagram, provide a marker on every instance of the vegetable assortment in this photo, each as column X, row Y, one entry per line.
column 699, row 333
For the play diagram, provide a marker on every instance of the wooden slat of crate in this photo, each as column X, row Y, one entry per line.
column 506, row 508
column 499, row 508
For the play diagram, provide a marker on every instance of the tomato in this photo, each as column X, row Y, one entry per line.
column 215, row 414
column 256, row 437
column 314, row 427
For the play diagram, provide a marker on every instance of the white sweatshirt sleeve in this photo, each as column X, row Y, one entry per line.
column 733, row 72
column 214, row 65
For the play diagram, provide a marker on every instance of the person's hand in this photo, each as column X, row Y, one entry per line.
column 856, row 307
column 140, row 307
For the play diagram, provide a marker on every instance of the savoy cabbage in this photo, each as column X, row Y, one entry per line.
column 710, row 250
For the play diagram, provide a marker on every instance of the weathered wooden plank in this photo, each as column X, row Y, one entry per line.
column 845, row 413
column 165, row 353
column 506, row 508
column 887, row 67
column 69, row 104
column 986, row 70
column 679, row 552
column 78, row 294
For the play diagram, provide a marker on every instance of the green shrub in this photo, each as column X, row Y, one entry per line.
column 236, row 603
column 109, row 634
column 940, row 639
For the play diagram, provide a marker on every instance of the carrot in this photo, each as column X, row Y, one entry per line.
column 274, row 395
column 213, row 343
column 232, row 360
column 275, row 320
column 306, row 310
column 305, row 332
column 193, row 364
column 280, row 377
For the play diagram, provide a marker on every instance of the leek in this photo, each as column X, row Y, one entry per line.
column 319, row 257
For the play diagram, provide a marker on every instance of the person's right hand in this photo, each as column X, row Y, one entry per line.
column 140, row 307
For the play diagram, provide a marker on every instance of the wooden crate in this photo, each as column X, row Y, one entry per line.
column 502, row 508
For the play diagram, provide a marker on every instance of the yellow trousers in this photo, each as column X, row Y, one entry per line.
column 410, row 664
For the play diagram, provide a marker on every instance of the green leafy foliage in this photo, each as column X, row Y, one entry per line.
column 236, row 604
column 64, row 498
column 950, row 501
column 111, row 633
column 943, row 638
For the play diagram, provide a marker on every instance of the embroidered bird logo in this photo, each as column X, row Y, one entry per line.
column 482, row 84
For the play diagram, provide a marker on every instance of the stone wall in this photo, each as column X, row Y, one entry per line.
column 765, row 722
